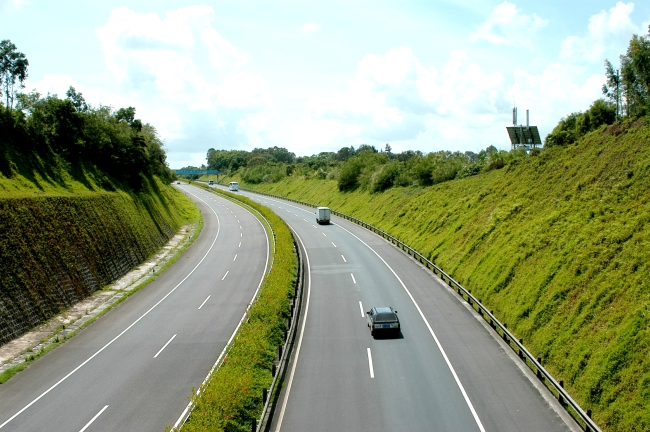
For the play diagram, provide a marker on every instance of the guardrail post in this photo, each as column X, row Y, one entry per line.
column 254, row 425
column 559, row 395
column 264, row 394
column 273, row 370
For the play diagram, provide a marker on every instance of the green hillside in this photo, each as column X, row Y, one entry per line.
column 556, row 242
column 81, row 204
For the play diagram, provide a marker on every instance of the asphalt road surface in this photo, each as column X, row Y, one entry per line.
column 134, row 368
column 447, row 371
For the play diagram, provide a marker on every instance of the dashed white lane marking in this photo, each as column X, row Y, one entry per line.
column 372, row 371
column 305, row 220
column 344, row 260
column 205, row 301
column 314, row 226
column 324, row 234
column 164, row 346
column 235, row 258
column 353, row 279
column 93, row 419
column 224, row 276
column 333, row 244
column 361, row 309
column 239, row 244
column 239, row 226
column 241, row 234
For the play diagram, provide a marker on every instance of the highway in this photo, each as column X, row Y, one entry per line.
column 134, row 368
column 448, row 371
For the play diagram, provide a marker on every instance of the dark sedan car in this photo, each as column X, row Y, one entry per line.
column 383, row 320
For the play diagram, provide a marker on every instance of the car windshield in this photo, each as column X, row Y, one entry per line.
column 386, row 317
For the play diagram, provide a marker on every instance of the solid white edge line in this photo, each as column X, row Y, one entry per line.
column 302, row 331
column 126, row 329
column 361, row 309
column 205, row 301
column 353, row 279
column 241, row 321
column 164, row 346
column 435, row 338
column 93, row 419
column 344, row 260
column 372, row 371
column 224, row 276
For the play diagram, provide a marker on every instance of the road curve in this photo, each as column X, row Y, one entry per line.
column 448, row 371
column 134, row 368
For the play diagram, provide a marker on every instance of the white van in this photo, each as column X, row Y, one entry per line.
column 233, row 186
column 211, row 182
column 323, row 215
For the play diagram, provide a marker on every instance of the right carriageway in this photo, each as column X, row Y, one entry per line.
column 447, row 371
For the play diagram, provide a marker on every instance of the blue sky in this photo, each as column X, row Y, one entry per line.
column 317, row 76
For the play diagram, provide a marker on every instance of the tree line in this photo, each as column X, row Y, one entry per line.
column 364, row 167
column 70, row 130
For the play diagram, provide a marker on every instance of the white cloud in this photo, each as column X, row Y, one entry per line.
column 176, row 69
column 310, row 28
column 606, row 29
column 13, row 4
column 395, row 98
column 507, row 25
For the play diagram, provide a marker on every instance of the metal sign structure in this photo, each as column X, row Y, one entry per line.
column 526, row 137
column 195, row 172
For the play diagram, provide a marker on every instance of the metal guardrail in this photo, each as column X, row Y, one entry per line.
column 535, row 364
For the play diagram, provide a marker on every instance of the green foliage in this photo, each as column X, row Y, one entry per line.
column 13, row 68
column 50, row 129
column 629, row 88
column 232, row 397
column 576, row 125
column 556, row 243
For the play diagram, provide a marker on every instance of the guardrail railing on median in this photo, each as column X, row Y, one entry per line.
column 535, row 364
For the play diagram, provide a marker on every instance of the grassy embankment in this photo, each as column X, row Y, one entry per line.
column 232, row 397
column 63, row 236
column 556, row 244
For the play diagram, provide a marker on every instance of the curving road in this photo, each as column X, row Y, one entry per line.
column 448, row 371
column 134, row 368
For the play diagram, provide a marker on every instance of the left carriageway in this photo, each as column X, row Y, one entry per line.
column 134, row 368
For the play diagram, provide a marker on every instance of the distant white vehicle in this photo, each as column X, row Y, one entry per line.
column 323, row 215
column 211, row 182
column 233, row 186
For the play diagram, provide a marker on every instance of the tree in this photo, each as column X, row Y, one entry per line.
column 77, row 100
column 13, row 68
column 612, row 88
column 125, row 115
